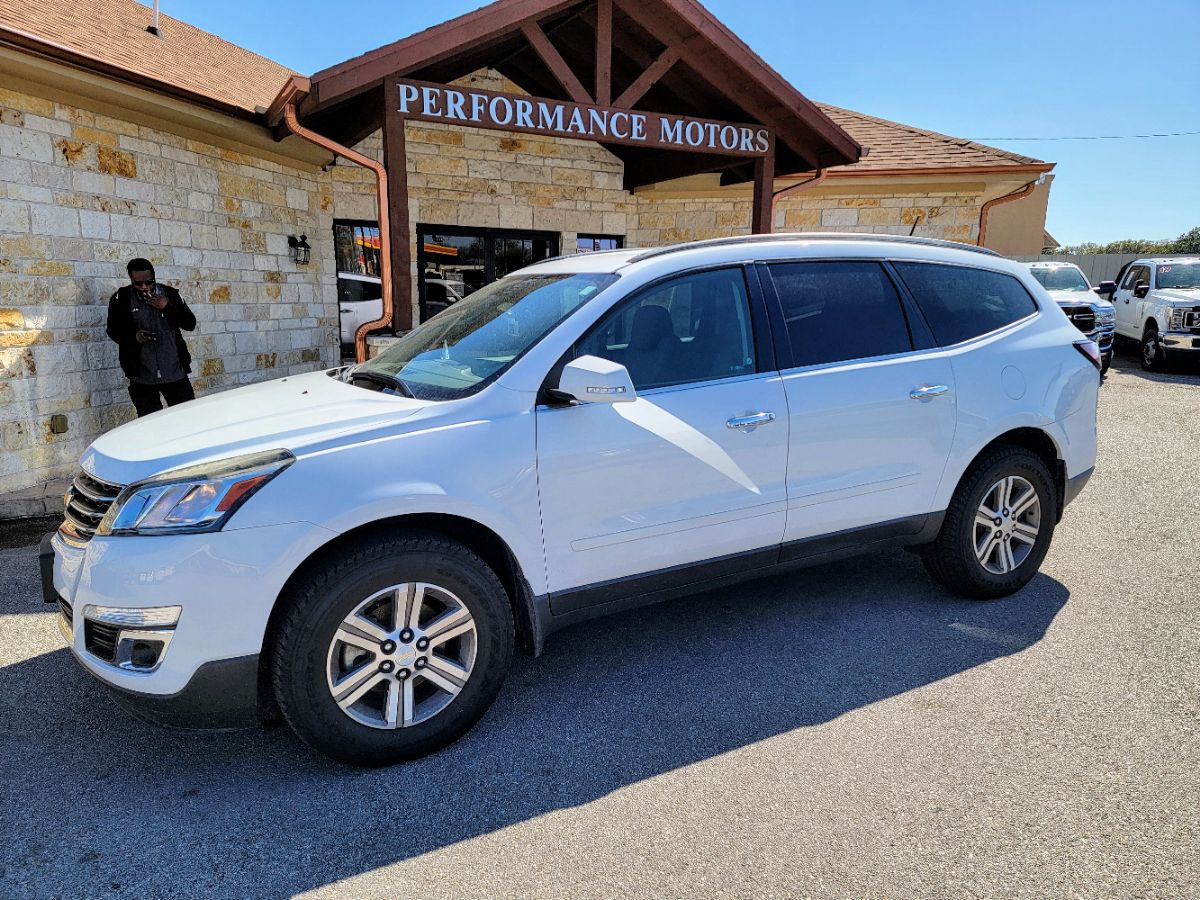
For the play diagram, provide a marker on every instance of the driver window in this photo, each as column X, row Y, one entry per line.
column 1132, row 278
column 690, row 329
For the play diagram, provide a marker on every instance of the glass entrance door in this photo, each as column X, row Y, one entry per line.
column 454, row 262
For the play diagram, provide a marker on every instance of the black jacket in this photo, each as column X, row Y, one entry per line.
column 123, row 329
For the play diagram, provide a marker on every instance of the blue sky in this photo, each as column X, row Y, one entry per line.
column 975, row 70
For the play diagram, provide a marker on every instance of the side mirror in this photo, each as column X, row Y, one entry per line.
column 590, row 379
column 1142, row 289
column 1107, row 289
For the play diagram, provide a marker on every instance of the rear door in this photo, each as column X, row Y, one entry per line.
column 871, row 401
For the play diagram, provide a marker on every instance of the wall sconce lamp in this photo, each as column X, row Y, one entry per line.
column 300, row 249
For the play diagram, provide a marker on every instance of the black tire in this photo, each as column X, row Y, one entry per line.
column 316, row 609
column 1154, row 358
column 1105, row 363
column 951, row 558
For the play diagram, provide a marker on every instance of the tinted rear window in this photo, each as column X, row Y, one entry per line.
column 837, row 311
column 961, row 303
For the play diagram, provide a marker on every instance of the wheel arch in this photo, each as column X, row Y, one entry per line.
column 1151, row 321
column 1042, row 445
column 490, row 547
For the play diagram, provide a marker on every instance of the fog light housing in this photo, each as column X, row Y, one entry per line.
column 135, row 640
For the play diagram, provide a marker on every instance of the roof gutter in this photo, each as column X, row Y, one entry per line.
column 285, row 106
column 60, row 53
column 1007, row 198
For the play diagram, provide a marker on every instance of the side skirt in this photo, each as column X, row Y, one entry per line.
column 562, row 608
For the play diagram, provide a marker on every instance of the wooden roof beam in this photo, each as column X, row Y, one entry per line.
column 603, row 85
column 651, row 76
column 554, row 62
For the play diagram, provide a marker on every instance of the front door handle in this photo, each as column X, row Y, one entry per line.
column 751, row 421
column 928, row 390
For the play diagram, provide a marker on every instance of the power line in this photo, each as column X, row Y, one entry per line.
column 1092, row 137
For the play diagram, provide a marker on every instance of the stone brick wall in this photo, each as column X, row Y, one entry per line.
column 950, row 215
column 80, row 194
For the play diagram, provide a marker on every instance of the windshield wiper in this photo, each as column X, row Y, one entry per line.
column 384, row 379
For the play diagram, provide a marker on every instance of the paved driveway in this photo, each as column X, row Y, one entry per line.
column 848, row 731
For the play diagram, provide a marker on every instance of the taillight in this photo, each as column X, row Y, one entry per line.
column 1091, row 350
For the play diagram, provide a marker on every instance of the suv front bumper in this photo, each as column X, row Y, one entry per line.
column 201, row 671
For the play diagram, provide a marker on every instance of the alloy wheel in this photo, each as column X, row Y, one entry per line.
column 1007, row 524
column 402, row 655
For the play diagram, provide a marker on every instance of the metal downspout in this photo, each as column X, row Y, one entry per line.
column 795, row 189
column 1007, row 198
column 385, row 255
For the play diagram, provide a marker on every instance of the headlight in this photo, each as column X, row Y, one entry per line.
column 1176, row 323
column 193, row 499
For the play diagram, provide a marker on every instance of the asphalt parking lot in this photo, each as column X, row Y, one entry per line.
column 851, row 731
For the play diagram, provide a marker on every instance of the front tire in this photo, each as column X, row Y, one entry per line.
column 1154, row 357
column 392, row 649
column 997, row 528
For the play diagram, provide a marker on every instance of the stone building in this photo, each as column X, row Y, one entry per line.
column 116, row 142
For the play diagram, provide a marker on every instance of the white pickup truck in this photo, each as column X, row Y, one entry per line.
column 1158, row 305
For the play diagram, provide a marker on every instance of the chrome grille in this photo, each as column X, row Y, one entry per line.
column 1082, row 317
column 86, row 503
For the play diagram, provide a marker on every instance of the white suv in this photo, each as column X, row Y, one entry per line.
column 361, row 549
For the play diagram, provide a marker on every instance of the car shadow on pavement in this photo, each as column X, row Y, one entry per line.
column 95, row 801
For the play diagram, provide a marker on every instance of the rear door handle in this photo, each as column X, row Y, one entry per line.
column 751, row 421
column 928, row 390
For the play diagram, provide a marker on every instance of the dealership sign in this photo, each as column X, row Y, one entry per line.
column 608, row 125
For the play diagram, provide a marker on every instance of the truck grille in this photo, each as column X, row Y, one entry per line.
column 86, row 503
column 1082, row 317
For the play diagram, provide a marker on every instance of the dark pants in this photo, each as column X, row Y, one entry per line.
column 145, row 396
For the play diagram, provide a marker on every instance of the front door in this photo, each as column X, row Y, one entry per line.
column 691, row 471
column 1129, row 321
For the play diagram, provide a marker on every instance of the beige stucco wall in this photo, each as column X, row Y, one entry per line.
column 1018, row 228
column 80, row 194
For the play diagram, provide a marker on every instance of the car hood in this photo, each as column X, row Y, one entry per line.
column 1077, row 298
column 1184, row 298
column 298, row 413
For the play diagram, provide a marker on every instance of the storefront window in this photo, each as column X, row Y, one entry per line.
column 589, row 243
column 455, row 262
column 356, row 248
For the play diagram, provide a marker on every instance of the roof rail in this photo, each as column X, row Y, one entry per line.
column 810, row 236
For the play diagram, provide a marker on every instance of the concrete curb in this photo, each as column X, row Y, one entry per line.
column 44, row 499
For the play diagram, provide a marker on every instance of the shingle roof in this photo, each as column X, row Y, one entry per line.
column 114, row 32
column 896, row 146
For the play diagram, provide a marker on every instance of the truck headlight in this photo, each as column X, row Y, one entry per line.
column 193, row 499
column 1176, row 320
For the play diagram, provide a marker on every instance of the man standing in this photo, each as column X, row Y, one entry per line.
column 145, row 319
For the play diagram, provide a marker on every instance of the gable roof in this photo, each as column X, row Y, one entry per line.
column 549, row 49
column 113, row 34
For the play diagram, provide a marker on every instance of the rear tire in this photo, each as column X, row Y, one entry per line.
column 1012, row 489
column 356, row 683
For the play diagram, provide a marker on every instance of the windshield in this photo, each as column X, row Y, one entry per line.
column 1061, row 278
column 461, row 349
column 1179, row 275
